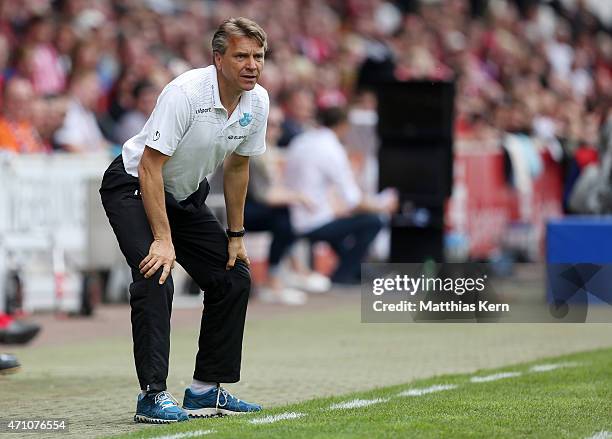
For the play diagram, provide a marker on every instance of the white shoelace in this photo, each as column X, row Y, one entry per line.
column 166, row 400
column 226, row 396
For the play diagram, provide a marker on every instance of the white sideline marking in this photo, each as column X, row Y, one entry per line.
column 426, row 390
column 188, row 434
column 601, row 435
column 495, row 377
column 274, row 418
column 549, row 367
column 356, row 403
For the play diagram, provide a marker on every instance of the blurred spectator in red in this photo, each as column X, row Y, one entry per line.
column 65, row 42
column 552, row 57
column 17, row 133
column 46, row 72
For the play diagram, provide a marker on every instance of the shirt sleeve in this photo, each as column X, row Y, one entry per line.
column 169, row 121
column 339, row 171
column 255, row 143
column 69, row 132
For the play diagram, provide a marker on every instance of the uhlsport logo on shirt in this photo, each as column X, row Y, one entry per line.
column 246, row 119
column 156, row 136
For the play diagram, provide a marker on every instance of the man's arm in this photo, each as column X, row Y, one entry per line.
column 338, row 168
column 387, row 204
column 161, row 252
column 235, row 182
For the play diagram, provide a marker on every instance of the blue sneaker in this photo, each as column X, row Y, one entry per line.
column 159, row 408
column 216, row 402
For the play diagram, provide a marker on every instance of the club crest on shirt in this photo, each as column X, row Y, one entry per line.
column 246, row 119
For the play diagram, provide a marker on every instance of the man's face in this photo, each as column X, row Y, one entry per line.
column 342, row 131
column 303, row 106
column 241, row 64
column 88, row 92
column 19, row 95
column 146, row 101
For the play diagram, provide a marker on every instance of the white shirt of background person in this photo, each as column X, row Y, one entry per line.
column 316, row 162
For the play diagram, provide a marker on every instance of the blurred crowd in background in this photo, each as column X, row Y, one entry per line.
column 533, row 77
column 82, row 75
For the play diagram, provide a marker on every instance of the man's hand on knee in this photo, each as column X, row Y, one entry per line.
column 236, row 250
column 161, row 254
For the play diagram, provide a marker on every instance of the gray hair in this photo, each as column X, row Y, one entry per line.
column 241, row 27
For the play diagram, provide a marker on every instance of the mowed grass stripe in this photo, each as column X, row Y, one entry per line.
column 566, row 402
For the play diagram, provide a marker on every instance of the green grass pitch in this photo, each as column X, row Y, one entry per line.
column 571, row 399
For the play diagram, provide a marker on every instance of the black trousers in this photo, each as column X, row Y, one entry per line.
column 200, row 244
column 350, row 238
column 259, row 217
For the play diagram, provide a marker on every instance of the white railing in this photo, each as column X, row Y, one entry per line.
column 47, row 206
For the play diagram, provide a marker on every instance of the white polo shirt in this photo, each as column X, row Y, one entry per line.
column 317, row 165
column 190, row 124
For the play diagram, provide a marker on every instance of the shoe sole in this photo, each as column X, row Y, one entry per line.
column 202, row 413
column 212, row 413
column 10, row 370
column 22, row 338
column 146, row 420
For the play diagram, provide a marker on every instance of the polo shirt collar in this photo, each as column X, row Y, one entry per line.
column 244, row 106
column 215, row 86
column 245, row 102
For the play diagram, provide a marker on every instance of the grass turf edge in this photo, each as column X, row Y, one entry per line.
column 565, row 402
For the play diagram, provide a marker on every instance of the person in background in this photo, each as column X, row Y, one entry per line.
column 17, row 132
column 318, row 168
column 46, row 74
column 48, row 116
column 80, row 131
column 130, row 124
column 299, row 109
column 5, row 53
column 267, row 209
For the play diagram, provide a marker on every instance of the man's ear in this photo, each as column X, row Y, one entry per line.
column 217, row 59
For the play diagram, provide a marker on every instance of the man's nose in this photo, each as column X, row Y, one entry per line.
column 251, row 64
